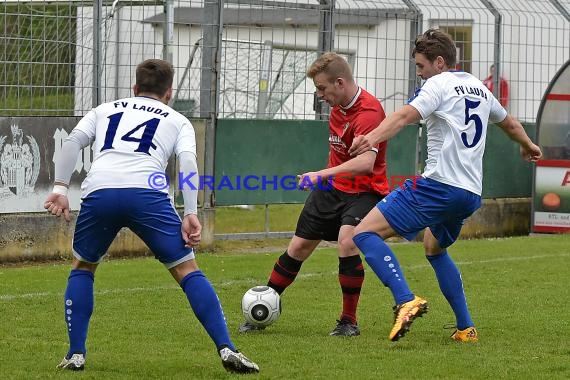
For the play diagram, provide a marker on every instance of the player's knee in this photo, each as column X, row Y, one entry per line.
column 432, row 248
column 181, row 270
column 359, row 238
column 84, row 265
column 431, row 245
column 299, row 252
column 346, row 246
column 300, row 249
column 428, row 248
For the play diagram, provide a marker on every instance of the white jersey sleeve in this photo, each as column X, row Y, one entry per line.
column 457, row 108
column 185, row 150
column 67, row 158
column 186, row 141
column 88, row 124
column 498, row 112
column 189, row 168
column 430, row 98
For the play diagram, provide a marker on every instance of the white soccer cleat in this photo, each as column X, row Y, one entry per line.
column 75, row 363
column 234, row 361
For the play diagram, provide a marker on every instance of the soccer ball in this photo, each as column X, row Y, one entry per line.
column 261, row 306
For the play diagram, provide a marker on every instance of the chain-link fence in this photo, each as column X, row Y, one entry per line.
column 247, row 58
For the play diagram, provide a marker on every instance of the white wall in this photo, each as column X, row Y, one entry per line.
column 535, row 43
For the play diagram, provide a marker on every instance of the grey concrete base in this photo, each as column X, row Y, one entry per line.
column 41, row 237
column 38, row 237
column 498, row 218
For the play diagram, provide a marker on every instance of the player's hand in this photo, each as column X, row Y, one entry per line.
column 191, row 230
column 58, row 204
column 360, row 144
column 532, row 153
column 305, row 180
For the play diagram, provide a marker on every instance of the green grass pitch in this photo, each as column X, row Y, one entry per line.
column 143, row 328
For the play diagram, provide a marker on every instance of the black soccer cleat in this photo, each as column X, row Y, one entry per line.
column 249, row 327
column 345, row 328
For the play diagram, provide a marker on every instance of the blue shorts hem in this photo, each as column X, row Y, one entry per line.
column 188, row 257
column 409, row 236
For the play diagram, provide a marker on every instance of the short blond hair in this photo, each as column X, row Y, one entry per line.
column 333, row 65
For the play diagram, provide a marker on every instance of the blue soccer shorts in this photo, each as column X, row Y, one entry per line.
column 148, row 213
column 428, row 203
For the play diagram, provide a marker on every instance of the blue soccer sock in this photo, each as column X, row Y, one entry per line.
column 207, row 308
column 78, row 309
column 385, row 264
column 451, row 286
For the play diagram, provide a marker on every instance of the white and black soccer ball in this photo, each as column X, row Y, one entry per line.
column 261, row 306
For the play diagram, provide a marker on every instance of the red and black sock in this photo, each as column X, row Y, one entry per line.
column 350, row 277
column 284, row 272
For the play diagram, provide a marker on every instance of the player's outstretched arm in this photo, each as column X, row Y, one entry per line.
column 387, row 129
column 514, row 129
column 360, row 165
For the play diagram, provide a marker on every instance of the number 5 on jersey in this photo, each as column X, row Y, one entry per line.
column 471, row 105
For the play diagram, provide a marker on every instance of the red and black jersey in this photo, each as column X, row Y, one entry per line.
column 360, row 117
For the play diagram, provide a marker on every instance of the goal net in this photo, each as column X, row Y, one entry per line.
column 257, row 80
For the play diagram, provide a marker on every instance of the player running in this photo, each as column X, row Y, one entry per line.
column 457, row 108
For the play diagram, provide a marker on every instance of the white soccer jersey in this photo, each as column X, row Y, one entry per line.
column 134, row 138
column 457, row 108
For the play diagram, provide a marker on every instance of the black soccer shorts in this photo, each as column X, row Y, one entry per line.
column 325, row 211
